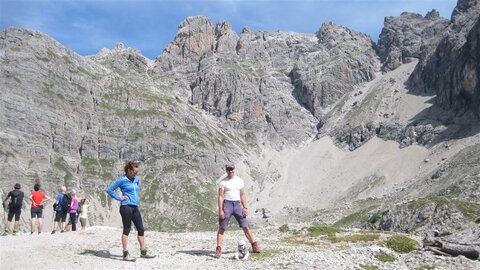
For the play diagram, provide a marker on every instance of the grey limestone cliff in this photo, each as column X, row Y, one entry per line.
column 451, row 70
column 407, row 36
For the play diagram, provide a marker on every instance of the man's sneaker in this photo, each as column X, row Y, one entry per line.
column 127, row 257
column 53, row 231
column 145, row 255
column 218, row 252
column 255, row 247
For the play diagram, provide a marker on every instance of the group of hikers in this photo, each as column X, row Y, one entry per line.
column 66, row 203
column 231, row 202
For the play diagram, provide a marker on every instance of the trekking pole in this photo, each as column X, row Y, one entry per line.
column 4, row 217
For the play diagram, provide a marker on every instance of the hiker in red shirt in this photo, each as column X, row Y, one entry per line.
column 37, row 197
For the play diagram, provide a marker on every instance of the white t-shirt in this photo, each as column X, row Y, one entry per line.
column 231, row 187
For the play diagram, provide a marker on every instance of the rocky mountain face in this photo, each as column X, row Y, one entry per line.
column 253, row 98
column 451, row 69
column 408, row 36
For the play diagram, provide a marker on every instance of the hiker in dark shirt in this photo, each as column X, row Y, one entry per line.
column 14, row 208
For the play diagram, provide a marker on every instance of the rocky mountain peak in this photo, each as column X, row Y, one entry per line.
column 226, row 38
column 408, row 36
column 432, row 15
column 246, row 30
column 332, row 35
column 195, row 36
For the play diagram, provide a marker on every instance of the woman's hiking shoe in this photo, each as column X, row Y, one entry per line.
column 255, row 247
column 218, row 252
column 127, row 257
column 145, row 255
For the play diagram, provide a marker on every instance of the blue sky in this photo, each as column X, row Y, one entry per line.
column 86, row 26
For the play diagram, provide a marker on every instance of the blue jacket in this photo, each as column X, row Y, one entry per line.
column 60, row 200
column 127, row 187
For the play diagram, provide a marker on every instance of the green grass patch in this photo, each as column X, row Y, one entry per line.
column 315, row 231
column 265, row 254
column 367, row 237
column 295, row 241
column 358, row 217
column 402, row 244
column 369, row 267
column 98, row 168
column 61, row 165
column 470, row 210
column 385, row 258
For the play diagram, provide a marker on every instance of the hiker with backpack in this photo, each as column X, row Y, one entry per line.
column 73, row 210
column 66, row 205
column 60, row 215
column 37, row 198
column 14, row 208
column 232, row 202
column 129, row 185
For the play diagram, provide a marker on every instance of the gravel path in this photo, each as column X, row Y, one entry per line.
column 99, row 248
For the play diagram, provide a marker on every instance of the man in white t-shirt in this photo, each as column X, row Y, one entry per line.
column 232, row 202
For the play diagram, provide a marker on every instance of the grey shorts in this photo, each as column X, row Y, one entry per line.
column 232, row 208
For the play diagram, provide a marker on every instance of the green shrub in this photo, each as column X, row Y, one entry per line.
column 284, row 228
column 385, row 258
column 375, row 218
column 402, row 244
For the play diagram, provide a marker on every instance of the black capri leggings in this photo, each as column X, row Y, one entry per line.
column 131, row 213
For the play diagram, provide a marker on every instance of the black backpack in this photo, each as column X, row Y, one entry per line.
column 66, row 203
column 79, row 208
column 17, row 199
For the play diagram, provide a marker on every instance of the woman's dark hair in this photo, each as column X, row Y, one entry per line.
column 130, row 164
column 82, row 201
column 36, row 187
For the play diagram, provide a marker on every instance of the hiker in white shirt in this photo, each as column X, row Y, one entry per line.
column 232, row 202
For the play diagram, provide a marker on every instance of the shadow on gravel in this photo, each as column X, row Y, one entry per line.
column 102, row 254
column 198, row 252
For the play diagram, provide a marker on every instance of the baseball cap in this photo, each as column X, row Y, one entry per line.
column 241, row 243
column 229, row 165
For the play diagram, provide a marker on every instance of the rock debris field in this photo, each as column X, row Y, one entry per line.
column 300, row 248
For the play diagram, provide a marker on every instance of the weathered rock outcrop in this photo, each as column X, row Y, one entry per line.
column 407, row 36
column 452, row 70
